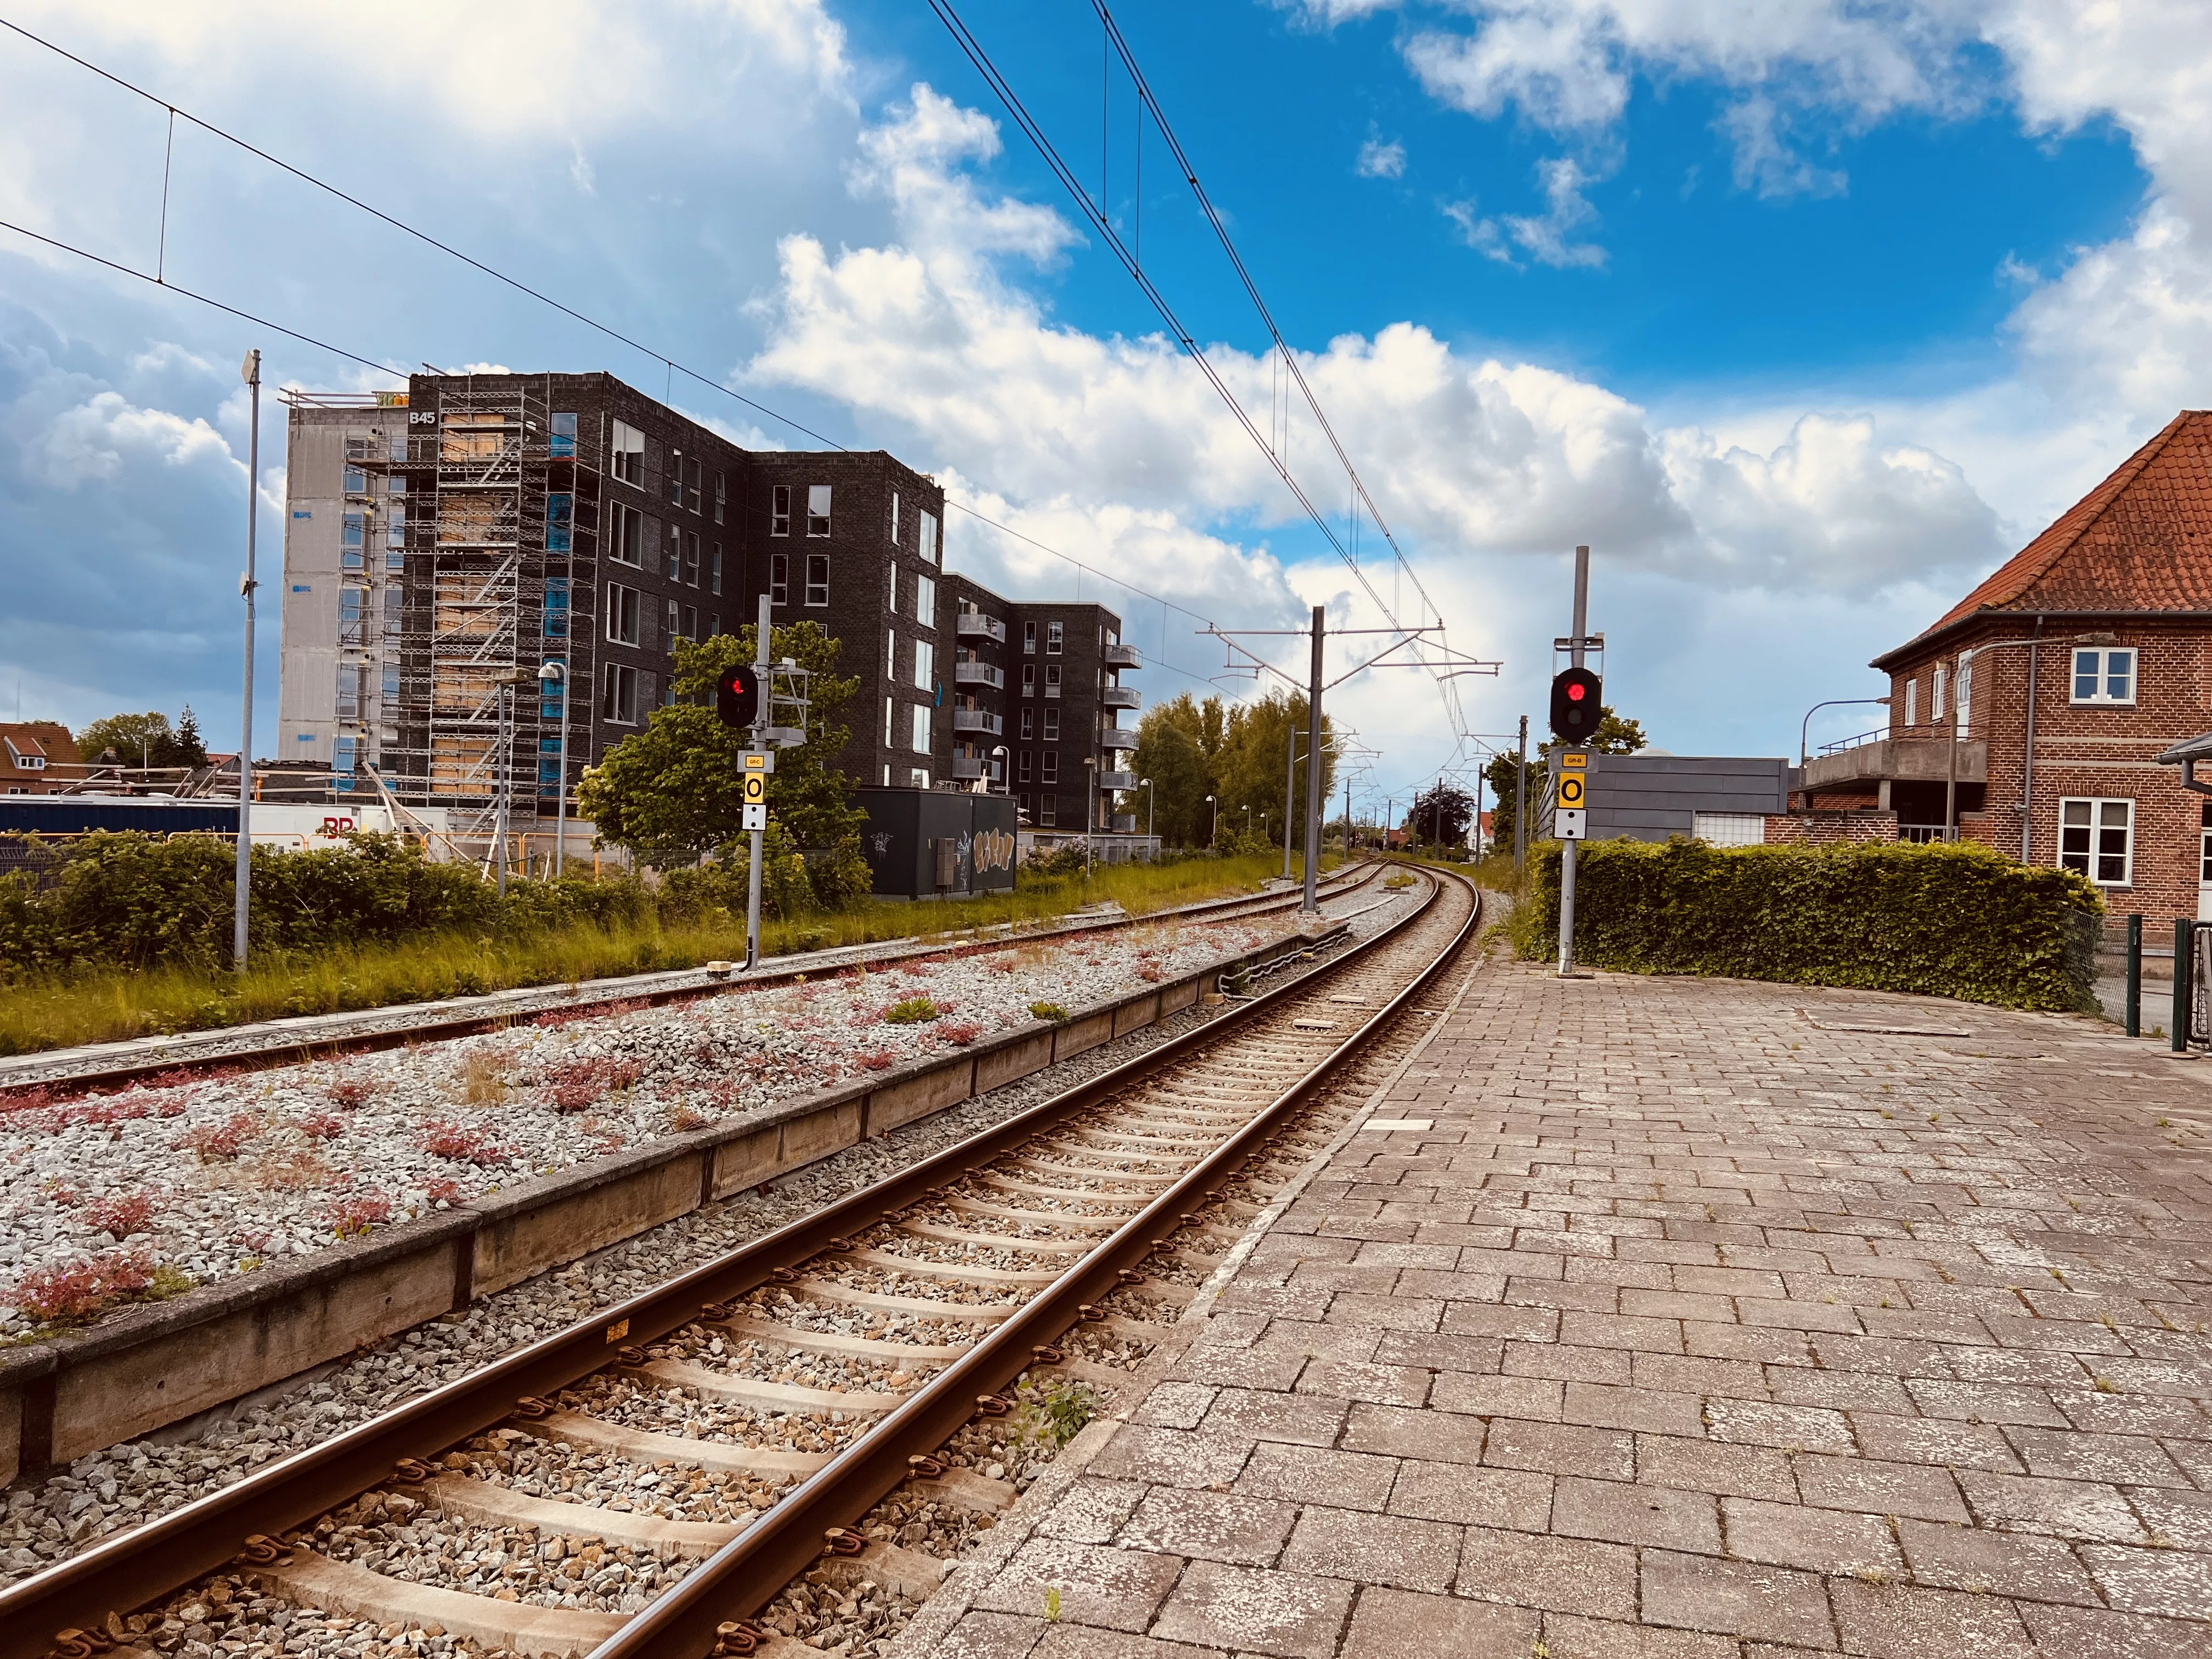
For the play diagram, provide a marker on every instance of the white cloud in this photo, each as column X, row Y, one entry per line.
column 1471, row 456
column 92, row 440
column 1378, row 160
column 1546, row 238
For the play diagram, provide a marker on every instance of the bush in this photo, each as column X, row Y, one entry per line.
column 911, row 1011
column 1958, row 921
column 1054, row 864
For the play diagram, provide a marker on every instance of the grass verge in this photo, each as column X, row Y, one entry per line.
column 110, row 1005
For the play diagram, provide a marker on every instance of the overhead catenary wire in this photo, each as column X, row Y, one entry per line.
column 672, row 367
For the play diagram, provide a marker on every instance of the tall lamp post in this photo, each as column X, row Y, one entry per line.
column 553, row 674
column 998, row 754
column 1147, row 784
column 1212, row 819
column 1805, row 728
column 1091, row 793
column 249, row 371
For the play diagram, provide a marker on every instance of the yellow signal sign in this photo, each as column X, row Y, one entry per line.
column 1571, row 790
column 756, row 788
column 1573, row 762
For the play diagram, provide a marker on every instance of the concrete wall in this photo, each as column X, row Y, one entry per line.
column 1653, row 797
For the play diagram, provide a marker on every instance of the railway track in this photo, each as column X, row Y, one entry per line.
column 705, row 1467
column 53, row 1074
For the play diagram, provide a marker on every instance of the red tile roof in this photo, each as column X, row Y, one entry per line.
column 2141, row 540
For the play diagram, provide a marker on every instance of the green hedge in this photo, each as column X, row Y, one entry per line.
column 144, row 902
column 1956, row 922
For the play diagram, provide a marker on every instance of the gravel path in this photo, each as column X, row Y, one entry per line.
column 51, row 1519
column 206, row 1179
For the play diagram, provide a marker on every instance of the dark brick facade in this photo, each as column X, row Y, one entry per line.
column 1063, row 684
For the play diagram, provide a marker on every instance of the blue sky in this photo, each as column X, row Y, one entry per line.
column 1803, row 317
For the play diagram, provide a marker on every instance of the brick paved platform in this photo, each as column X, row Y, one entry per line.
column 1709, row 1322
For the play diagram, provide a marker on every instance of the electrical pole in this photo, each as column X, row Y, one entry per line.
column 1567, row 855
column 249, row 371
column 1289, row 787
column 1311, row 907
column 762, row 718
column 1520, row 803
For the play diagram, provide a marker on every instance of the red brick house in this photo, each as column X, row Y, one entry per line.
column 37, row 757
column 2065, row 675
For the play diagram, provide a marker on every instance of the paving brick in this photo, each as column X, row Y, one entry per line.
column 1537, row 1399
column 1117, row 1588
column 1175, row 1405
column 1518, row 1498
column 1569, row 1638
column 1800, row 1536
column 1300, row 1474
column 1901, row 1621
column 1374, row 1549
column 1734, row 1598
column 2130, row 1459
column 1396, row 1432
column 1921, row 1491
column 1709, row 1466
column 1984, row 1402
column 1560, row 1449
column 2064, row 1509
column 1623, row 1512
column 1209, row 1525
column 992, row 1635
column 2176, row 1583
column 1600, row 1405
column 1935, row 1440
column 1979, row 1560
column 1092, row 1510
column 1255, row 1610
column 1566, row 1362
column 1762, row 1423
column 1299, row 1420
column 1063, row 1641
column 2066, row 1632
column 1389, row 1385
column 1396, row 1623
column 1559, row 1575
column 1440, row 1351
column 1175, row 1458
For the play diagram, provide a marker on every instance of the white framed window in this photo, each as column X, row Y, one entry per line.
column 619, row 694
column 714, row 568
column 691, row 559
column 817, row 509
column 1048, row 810
column 918, row 778
column 928, row 537
column 925, row 665
column 778, row 578
column 674, row 555
column 1911, row 703
column 1936, row 685
column 922, row 728
column 2097, row 839
column 1052, row 679
column 779, row 510
column 1728, row 828
column 2105, row 676
column 2204, row 869
column 817, row 579
column 890, row 588
column 1028, row 679
column 623, row 612
column 626, row 545
column 1051, row 761
column 890, row 655
column 1028, row 723
column 925, row 601
column 1022, row 767
column 1051, row 723
column 721, row 496
column 1963, row 693
column 626, row 453
column 890, row 724
column 1029, row 638
column 672, row 622
column 894, row 518
column 1055, row 634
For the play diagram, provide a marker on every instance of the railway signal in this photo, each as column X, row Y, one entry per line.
column 737, row 695
column 1575, row 695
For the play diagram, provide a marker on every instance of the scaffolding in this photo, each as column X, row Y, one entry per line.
column 497, row 522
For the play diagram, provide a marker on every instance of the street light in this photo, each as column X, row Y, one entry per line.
column 550, row 675
column 1090, row 793
column 999, row 753
column 1212, row 819
column 1146, row 785
column 249, row 371
column 504, row 784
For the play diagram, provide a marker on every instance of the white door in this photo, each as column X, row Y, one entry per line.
column 2204, row 873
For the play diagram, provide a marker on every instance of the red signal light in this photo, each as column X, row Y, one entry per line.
column 1575, row 693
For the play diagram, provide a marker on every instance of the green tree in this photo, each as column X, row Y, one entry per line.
column 136, row 739
column 1250, row 768
column 1178, row 744
column 670, row 793
column 1615, row 736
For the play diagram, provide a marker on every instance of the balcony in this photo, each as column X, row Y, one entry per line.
column 976, row 720
column 1120, row 696
column 1117, row 736
column 969, row 770
column 1867, row 765
column 978, row 673
column 974, row 624
column 1125, row 824
column 1123, row 656
column 1117, row 780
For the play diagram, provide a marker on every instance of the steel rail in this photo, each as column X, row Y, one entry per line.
column 133, row 1568
column 298, row 1051
column 751, row 1569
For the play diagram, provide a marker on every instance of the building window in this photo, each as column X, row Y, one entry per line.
column 672, row 622
column 1911, row 703
column 918, row 778
column 817, row 579
column 1052, row 679
column 350, row 691
column 891, row 592
column 1051, row 774
column 391, row 689
column 929, row 538
column 1936, row 688
column 925, row 665
column 922, row 728
column 1028, row 679
column 619, row 694
column 341, row 763
column 556, row 607
column 551, row 694
column 891, row 727
column 395, row 537
column 674, row 557
column 350, row 540
column 1053, row 636
column 779, row 510
column 549, row 763
column 690, row 621
column 817, row 509
column 394, row 599
column 1728, row 828
column 356, row 481
column 626, row 453
column 351, row 603
column 676, row 477
column 778, row 578
column 692, row 473
column 627, row 545
column 563, row 441
column 925, row 601
column 691, row 560
column 1028, row 723
column 1029, row 637
column 1022, row 765
column 721, row 495
column 560, row 523
column 891, row 654
column 2204, row 821
column 1052, row 725
column 894, row 518
column 2105, row 676
column 622, row 610
column 1048, row 810
column 714, row 568
column 2096, row 839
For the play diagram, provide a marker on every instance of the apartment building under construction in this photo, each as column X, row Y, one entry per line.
column 445, row 542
